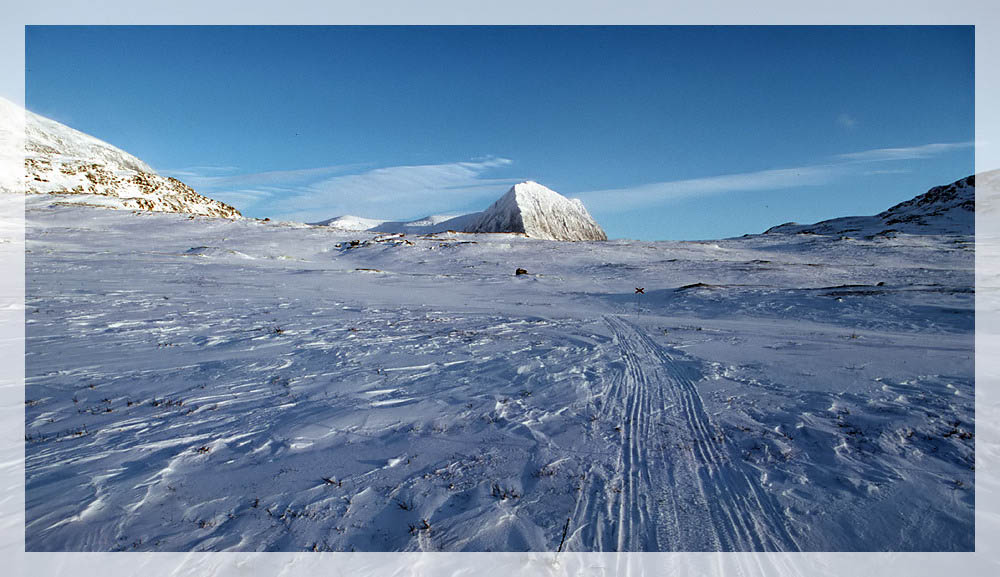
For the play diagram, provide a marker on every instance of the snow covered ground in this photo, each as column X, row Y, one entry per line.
column 205, row 384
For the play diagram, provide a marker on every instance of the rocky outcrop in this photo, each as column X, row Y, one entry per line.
column 81, row 169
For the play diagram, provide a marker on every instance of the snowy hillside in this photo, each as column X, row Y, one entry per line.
column 948, row 209
column 527, row 208
column 81, row 169
column 266, row 387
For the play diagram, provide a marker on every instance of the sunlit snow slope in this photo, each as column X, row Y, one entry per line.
column 81, row 169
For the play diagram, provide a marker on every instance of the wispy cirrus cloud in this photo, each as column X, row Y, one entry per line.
column 315, row 194
column 406, row 192
column 665, row 192
column 658, row 193
column 400, row 192
column 846, row 120
column 424, row 180
column 223, row 177
column 189, row 171
column 907, row 153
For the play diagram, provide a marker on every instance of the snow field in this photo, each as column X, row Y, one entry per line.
column 203, row 384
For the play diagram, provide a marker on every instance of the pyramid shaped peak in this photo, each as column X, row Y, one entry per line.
column 539, row 212
column 532, row 187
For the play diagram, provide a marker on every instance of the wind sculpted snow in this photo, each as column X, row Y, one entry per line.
column 199, row 384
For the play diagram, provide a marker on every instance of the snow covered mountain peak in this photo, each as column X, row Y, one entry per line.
column 81, row 169
column 531, row 189
column 538, row 212
column 528, row 208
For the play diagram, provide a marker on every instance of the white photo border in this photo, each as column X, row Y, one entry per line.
column 983, row 14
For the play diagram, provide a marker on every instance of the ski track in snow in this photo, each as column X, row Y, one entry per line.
column 695, row 497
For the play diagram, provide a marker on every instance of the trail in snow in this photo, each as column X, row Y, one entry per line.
column 676, row 485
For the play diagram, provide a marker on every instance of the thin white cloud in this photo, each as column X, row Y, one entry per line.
column 658, row 193
column 199, row 170
column 314, row 194
column 907, row 153
column 846, row 120
column 665, row 192
column 406, row 192
column 241, row 198
column 388, row 183
column 397, row 192
column 198, row 178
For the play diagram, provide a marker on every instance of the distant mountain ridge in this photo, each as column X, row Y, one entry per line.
column 947, row 209
column 81, row 169
column 528, row 208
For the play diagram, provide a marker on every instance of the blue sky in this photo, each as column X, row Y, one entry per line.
column 663, row 132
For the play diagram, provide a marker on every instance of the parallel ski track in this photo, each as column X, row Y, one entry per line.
column 675, row 485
